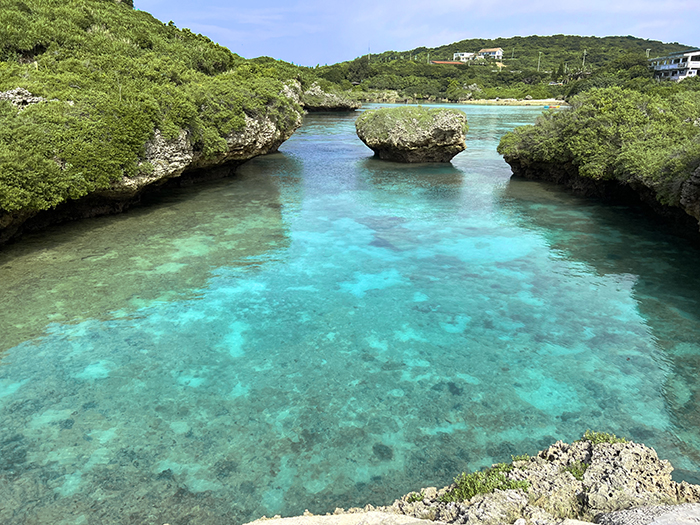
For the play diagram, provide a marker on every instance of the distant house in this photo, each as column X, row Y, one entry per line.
column 495, row 52
column 463, row 57
column 677, row 66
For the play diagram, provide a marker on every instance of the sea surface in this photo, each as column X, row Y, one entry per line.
column 325, row 329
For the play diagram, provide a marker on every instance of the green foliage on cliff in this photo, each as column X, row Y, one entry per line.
column 112, row 75
column 379, row 123
column 483, row 482
column 596, row 437
column 618, row 134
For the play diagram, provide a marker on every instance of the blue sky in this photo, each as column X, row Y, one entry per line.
column 314, row 32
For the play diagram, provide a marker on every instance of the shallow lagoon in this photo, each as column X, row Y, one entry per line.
column 325, row 329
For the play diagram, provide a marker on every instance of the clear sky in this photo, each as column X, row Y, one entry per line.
column 311, row 32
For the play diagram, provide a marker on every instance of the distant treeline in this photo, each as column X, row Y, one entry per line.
column 541, row 67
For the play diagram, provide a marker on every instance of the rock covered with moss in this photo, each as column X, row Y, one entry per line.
column 413, row 133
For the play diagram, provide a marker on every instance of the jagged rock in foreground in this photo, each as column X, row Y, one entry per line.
column 613, row 477
column 413, row 133
column 567, row 484
column 364, row 518
column 315, row 99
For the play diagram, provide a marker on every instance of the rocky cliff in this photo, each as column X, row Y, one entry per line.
column 620, row 144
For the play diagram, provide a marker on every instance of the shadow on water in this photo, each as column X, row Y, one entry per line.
column 618, row 240
column 429, row 183
column 158, row 252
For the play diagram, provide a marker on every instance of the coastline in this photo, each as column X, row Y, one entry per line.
column 544, row 102
column 551, row 102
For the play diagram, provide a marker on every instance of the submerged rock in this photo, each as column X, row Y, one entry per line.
column 413, row 133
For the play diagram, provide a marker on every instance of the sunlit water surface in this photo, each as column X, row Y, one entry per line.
column 328, row 330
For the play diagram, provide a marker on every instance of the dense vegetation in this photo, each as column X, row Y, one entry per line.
column 621, row 134
column 541, row 67
column 111, row 75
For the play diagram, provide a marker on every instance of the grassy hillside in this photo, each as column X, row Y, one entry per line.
column 111, row 76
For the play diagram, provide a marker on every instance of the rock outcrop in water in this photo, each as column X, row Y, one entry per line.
column 413, row 134
column 566, row 484
column 167, row 158
column 619, row 144
column 316, row 99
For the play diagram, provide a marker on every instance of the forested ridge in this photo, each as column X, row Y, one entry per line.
column 538, row 66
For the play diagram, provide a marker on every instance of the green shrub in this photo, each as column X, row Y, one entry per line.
column 601, row 437
column 483, row 482
column 577, row 469
column 413, row 497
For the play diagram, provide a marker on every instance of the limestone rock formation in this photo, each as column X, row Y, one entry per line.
column 316, row 99
column 685, row 514
column 578, row 481
column 170, row 158
column 413, row 133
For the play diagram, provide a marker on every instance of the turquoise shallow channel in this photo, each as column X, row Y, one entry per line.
column 326, row 330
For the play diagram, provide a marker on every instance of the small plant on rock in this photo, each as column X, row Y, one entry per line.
column 521, row 457
column 413, row 497
column 601, row 437
column 483, row 482
column 577, row 469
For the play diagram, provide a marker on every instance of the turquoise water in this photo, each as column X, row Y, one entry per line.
column 329, row 330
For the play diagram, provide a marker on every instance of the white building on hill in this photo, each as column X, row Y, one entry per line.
column 494, row 52
column 677, row 66
column 463, row 57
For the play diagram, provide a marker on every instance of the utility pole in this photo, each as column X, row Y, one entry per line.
column 538, row 61
column 369, row 55
column 584, row 59
column 428, row 62
column 512, row 53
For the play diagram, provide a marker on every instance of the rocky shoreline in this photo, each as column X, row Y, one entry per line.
column 599, row 479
